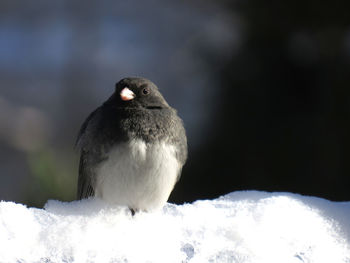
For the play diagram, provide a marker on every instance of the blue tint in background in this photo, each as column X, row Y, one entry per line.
column 263, row 89
column 60, row 59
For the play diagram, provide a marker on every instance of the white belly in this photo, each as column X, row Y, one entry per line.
column 138, row 175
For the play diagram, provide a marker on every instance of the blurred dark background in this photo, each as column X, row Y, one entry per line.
column 263, row 88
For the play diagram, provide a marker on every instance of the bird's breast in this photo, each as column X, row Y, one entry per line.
column 138, row 174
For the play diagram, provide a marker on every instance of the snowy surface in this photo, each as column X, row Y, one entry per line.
column 239, row 227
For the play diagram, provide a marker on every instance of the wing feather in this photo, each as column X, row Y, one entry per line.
column 84, row 141
column 85, row 179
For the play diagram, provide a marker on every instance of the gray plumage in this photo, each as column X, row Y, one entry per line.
column 132, row 148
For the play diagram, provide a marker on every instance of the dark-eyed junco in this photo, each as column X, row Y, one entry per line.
column 132, row 147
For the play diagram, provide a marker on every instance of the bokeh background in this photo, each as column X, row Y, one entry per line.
column 263, row 89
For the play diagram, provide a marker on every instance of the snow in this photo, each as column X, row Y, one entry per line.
column 239, row 227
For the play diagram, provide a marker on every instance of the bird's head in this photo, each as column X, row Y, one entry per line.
column 138, row 92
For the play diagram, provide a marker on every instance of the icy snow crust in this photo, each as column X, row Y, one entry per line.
column 239, row 227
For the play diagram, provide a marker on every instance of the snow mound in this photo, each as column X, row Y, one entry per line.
column 239, row 227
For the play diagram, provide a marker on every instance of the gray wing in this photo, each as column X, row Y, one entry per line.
column 88, row 161
column 181, row 145
column 86, row 175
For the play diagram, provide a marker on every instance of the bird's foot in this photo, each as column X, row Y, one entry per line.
column 133, row 211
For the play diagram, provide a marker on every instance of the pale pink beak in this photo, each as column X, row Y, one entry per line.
column 127, row 94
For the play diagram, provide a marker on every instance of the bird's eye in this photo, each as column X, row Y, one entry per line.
column 145, row 91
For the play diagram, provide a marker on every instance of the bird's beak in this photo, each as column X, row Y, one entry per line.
column 126, row 94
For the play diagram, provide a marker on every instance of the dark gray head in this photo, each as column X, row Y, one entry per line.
column 136, row 93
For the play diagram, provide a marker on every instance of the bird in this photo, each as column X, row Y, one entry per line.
column 132, row 148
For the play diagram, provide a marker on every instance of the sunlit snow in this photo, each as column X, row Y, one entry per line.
column 239, row 227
